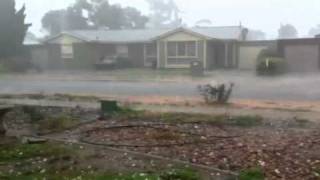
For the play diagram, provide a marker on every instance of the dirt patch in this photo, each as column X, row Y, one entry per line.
column 283, row 150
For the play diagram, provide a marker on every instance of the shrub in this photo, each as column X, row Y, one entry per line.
column 216, row 94
column 270, row 66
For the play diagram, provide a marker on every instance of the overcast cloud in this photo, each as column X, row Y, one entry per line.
column 265, row 15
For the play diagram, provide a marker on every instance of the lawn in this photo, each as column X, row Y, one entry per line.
column 61, row 162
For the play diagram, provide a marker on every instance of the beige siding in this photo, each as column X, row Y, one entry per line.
column 64, row 39
column 248, row 56
column 302, row 58
column 182, row 36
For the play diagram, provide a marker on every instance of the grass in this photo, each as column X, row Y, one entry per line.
column 17, row 152
column 73, row 175
column 300, row 123
column 252, row 174
column 57, row 124
column 183, row 174
column 246, row 121
column 317, row 172
column 26, row 162
column 79, row 176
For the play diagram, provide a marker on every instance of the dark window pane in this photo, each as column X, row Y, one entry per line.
column 191, row 48
column 182, row 49
column 172, row 49
column 151, row 49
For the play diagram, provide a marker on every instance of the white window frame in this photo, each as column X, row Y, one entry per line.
column 122, row 50
column 186, row 49
column 67, row 51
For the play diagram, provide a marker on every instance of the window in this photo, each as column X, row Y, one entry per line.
column 172, row 49
column 67, row 51
column 182, row 49
column 191, row 49
column 151, row 50
column 122, row 50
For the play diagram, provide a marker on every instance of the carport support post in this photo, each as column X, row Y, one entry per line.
column 226, row 52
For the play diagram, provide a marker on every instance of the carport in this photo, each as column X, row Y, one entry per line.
column 301, row 55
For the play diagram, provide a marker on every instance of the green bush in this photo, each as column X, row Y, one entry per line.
column 270, row 66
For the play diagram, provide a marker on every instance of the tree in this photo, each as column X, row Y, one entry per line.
column 164, row 14
column 12, row 29
column 287, row 31
column 65, row 19
column 106, row 15
column 134, row 18
column 89, row 14
column 53, row 21
column 315, row 31
column 103, row 14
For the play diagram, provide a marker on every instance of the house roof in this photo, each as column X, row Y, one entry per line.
column 117, row 36
column 223, row 32
column 146, row 35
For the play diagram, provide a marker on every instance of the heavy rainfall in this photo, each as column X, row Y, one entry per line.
column 159, row 90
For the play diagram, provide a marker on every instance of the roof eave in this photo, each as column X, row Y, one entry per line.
column 120, row 42
column 181, row 29
column 64, row 33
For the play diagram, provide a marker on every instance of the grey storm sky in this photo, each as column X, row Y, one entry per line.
column 265, row 15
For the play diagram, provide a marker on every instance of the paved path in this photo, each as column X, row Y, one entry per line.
column 294, row 87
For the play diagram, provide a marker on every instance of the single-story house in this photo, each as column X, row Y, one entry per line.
column 215, row 47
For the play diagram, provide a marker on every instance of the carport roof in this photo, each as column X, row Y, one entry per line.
column 147, row 35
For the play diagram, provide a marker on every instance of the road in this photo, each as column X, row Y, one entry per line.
column 293, row 87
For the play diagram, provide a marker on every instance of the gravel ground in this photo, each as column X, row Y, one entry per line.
column 283, row 150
